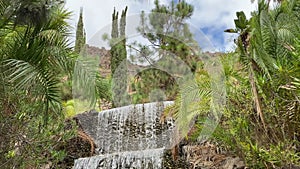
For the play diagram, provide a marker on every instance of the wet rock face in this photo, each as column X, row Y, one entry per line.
column 133, row 128
column 128, row 137
column 147, row 159
column 129, row 128
column 88, row 122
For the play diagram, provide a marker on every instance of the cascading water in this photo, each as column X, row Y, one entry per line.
column 129, row 137
column 146, row 159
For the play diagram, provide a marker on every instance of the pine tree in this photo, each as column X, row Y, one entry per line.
column 167, row 30
column 168, row 33
column 80, row 34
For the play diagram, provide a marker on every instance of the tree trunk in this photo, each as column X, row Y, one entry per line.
column 255, row 95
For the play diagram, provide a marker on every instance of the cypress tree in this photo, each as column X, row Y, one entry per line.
column 123, row 52
column 119, row 59
column 123, row 23
column 114, row 36
column 80, row 34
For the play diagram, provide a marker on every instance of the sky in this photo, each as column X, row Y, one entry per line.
column 209, row 20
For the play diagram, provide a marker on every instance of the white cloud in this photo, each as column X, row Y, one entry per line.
column 213, row 14
column 97, row 13
column 218, row 15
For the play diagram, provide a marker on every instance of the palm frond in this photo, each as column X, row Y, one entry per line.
column 34, row 57
column 193, row 99
column 40, row 83
column 84, row 80
column 103, row 88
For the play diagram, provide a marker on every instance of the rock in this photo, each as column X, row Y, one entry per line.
column 87, row 121
column 234, row 163
column 291, row 166
column 207, row 155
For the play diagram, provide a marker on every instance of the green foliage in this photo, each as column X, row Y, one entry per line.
column 138, row 98
column 193, row 99
column 167, row 31
column 154, row 84
column 66, row 88
column 118, row 41
column 88, row 86
column 268, row 56
column 69, row 108
column 119, row 60
column 240, row 129
column 276, row 155
column 32, row 64
column 241, row 23
column 25, row 142
column 34, row 56
column 103, row 88
column 80, row 35
column 24, row 12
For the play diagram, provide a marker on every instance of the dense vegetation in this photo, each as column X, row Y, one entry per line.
column 260, row 119
column 35, row 55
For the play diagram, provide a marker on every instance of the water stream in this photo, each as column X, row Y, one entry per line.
column 129, row 137
column 146, row 159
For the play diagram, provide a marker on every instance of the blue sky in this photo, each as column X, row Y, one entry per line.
column 211, row 17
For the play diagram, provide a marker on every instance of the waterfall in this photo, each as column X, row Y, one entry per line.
column 128, row 137
column 146, row 159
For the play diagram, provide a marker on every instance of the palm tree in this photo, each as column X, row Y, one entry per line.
column 33, row 55
column 263, row 41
